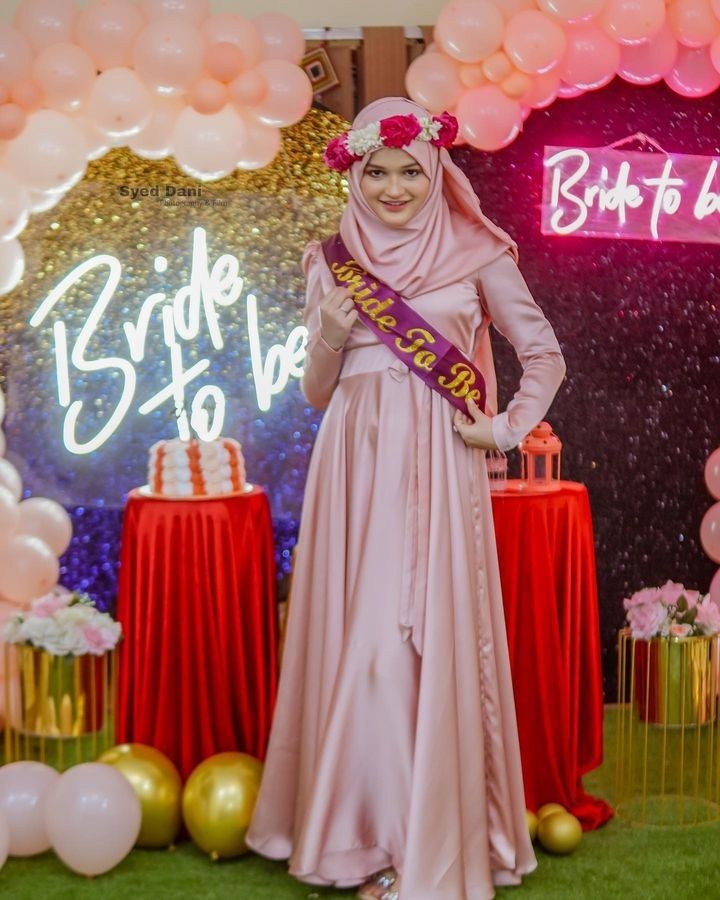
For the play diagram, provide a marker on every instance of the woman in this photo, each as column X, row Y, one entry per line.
column 393, row 761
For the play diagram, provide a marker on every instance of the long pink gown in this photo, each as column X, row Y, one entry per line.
column 394, row 740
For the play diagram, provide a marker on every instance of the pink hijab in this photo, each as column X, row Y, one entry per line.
column 447, row 240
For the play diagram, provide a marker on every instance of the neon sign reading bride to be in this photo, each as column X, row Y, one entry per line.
column 195, row 307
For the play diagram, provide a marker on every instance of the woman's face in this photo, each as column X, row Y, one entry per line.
column 394, row 185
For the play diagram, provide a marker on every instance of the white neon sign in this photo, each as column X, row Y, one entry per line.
column 194, row 307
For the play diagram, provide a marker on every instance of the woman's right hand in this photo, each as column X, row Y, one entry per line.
column 337, row 317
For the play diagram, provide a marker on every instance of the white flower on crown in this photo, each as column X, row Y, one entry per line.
column 362, row 140
column 430, row 129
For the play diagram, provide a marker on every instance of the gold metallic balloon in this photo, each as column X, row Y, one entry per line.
column 532, row 823
column 560, row 832
column 218, row 802
column 548, row 809
column 157, row 784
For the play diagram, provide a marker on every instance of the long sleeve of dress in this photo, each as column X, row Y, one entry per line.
column 322, row 364
column 506, row 298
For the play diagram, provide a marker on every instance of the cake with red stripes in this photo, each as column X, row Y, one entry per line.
column 196, row 468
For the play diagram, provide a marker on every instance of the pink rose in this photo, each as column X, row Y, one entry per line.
column 678, row 629
column 670, row 593
column 708, row 616
column 98, row 639
column 646, row 595
column 692, row 598
column 448, row 130
column 47, row 606
column 337, row 156
column 646, row 620
column 399, row 131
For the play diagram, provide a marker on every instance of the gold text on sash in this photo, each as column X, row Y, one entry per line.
column 460, row 386
column 422, row 359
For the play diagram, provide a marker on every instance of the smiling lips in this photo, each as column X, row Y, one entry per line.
column 394, row 204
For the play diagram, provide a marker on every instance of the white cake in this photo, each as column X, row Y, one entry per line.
column 196, row 468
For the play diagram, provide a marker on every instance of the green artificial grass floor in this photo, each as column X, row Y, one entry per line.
column 616, row 861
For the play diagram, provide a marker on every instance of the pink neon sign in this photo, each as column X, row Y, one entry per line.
column 603, row 192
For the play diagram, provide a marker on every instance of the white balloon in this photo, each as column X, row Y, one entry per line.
column 10, row 478
column 47, row 520
column 12, row 265
column 50, row 154
column 14, row 206
column 28, row 568
column 3, row 445
column 4, row 840
column 9, row 514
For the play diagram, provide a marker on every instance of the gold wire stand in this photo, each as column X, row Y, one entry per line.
column 668, row 759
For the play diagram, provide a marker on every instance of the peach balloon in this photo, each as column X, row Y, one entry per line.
column 153, row 141
column 693, row 22
column 472, row 75
column 3, row 445
column 259, row 146
column 24, row 790
column 16, row 55
column 14, row 204
column 237, row 30
column 45, row 22
column 4, row 93
column 542, row 91
column 715, row 53
column 9, row 475
column 508, row 8
column 715, row 588
column 13, row 120
column 280, row 37
column 470, row 30
column 248, row 89
column 193, row 11
column 93, row 818
column 119, row 102
column 693, row 74
column 716, row 7
column 9, row 513
column 4, row 827
column 224, row 61
column 488, row 119
column 712, row 474
column 12, row 268
column 27, row 95
column 591, row 58
column 497, row 67
column 45, row 519
column 50, row 154
column 534, row 42
column 28, row 568
column 632, row 21
column 207, row 147
column 710, row 532
column 572, row 10
column 169, row 55
column 208, row 96
column 289, row 93
column 516, row 85
column 65, row 74
column 649, row 62
column 432, row 80
column 107, row 29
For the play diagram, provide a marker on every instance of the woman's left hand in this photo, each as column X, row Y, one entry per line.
column 475, row 428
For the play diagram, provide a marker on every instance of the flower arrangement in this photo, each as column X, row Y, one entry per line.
column 671, row 611
column 64, row 623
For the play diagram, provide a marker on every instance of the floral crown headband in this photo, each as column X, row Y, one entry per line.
column 394, row 131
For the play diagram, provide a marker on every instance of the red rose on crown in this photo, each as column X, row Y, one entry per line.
column 399, row 131
column 337, row 156
column 448, row 130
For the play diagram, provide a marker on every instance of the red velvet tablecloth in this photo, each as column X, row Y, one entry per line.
column 547, row 569
column 198, row 664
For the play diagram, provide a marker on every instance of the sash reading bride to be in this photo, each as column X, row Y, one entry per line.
column 417, row 343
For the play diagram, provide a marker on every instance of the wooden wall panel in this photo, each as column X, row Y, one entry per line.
column 382, row 63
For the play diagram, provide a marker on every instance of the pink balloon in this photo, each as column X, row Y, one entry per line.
column 248, row 89
column 715, row 588
column 45, row 519
column 649, row 62
column 154, row 140
column 4, row 837
column 28, row 568
column 715, row 7
column 64, row 73
column 280, row 36
column 24, row 789
column 193, row 11
column 12, row 268
column 710, row 533
column 119, row 102
column 169, row 54
column 237, row 30
column 207, row 147
column 693, row 74
column 632, row 21
column 471, row 75
column 208, row 96
column 693, row 22
column 9, row 513
column 433, row 81
column 715, row 53
column 224, row 61
column 15, row 55
column 712, row 473
column 572, row 10
column 27, row 95
column 50, row 153
column 497, row 67
column 259, row 146
column 591, row 58
column 470, row 30
column 45, row 22
column 289, row 93
column 543, row 90
column 488, row 119
column 534, row 42
column 40, row 201
column 13, row 120
column 14, row 205
column 92, row 817
column 107, row 29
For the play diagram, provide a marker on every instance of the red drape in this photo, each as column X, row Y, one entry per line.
column 198, row 662
column 547, row 569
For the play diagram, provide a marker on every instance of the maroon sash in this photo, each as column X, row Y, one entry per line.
column 417, row 343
